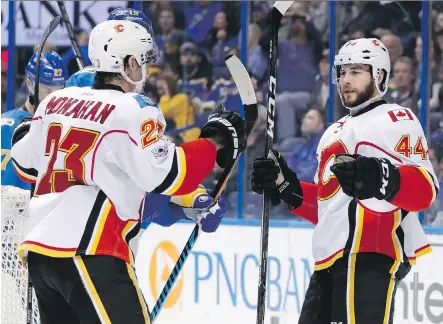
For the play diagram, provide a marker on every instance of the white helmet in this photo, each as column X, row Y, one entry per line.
column 368, row 51
column 113, row 40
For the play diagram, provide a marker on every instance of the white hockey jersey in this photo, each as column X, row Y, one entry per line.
column 349, row 226
column 97, row 152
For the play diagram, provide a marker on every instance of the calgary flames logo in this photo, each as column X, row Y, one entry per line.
column 119, row 28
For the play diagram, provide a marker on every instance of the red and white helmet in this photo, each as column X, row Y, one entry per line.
column 368, row 51
column 111, row 41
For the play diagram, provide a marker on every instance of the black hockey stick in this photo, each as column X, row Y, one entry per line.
column 51, row 27
column 278, row 11
column 71, row 35
column 246, row 90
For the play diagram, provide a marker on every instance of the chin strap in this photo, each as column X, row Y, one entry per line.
column 356, row 109
column 138, row 84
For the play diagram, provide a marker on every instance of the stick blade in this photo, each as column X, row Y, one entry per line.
column 283, row 6
column 242, row 80
column 245, row 89
column 52, row 25
column 49, row 29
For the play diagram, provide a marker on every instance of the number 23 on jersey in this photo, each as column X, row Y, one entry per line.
column 150, row 130
column 76, row 144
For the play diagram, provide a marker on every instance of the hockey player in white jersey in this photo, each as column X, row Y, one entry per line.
column 86, row 76
column 373, row 175
column 97, row 151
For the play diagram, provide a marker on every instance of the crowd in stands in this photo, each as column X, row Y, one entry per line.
column 191, row 78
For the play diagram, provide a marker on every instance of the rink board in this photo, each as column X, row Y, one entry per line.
column 219, row 282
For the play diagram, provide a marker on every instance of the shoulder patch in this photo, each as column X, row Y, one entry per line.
column 7, row 121
column 14, row 116
column 145, row 101
column 400, row 114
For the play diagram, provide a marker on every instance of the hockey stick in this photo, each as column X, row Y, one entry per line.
column 71, row 35
column 279, row 9
column 247, row 94
column 51, row 27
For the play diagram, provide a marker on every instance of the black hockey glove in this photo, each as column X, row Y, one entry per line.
column 21, row 130
column 274, row 175
column 229, row 129
column 364, row 177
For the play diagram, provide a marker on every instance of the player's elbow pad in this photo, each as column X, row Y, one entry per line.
column 423, row 193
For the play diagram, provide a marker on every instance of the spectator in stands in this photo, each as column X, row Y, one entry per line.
column 300, row 8
column 152, row 10
column 373, row 17
column 298, row 66
column 259, row 11
column 166, row 23
column 435, row 104
column 200, row 17
column 438, row 39
column 319, row 12
column 434, row 60
column 224, row 90
column 254, row 34
column 319, row 15
column 232, row 9
column 170, row 56
column 394, row 46
column 436, row 96
column 219, row 40
column 176, row 107
column 320, row 94
column 177, row 9
column 403, row 94
column 438, row 24
column 304, row 159
column 196, row 72
column 297, row 9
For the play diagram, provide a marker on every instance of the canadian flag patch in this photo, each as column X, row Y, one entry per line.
column 400, row 114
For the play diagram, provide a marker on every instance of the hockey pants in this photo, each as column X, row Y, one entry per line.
column 86, row 289
column 357, row 289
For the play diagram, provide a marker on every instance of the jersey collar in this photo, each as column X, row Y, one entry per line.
column 370, row 107
column 107, row 87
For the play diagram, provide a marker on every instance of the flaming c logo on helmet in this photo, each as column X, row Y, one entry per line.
column 119, row 28
column 163, row 259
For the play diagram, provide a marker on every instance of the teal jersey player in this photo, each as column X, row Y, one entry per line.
column 52, row 77
column 10, row 121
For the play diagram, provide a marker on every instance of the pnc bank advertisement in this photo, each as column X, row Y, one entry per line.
column 218, row 283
